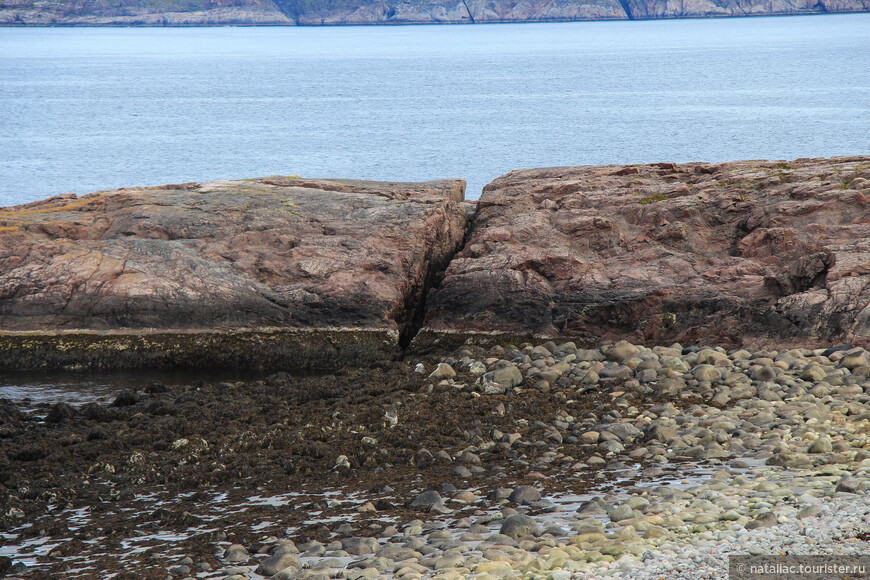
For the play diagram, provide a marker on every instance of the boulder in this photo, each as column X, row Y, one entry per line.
column 429, row 500
column 360, row 546
column 518, row 525
column 259, row 272
column 508, row 377
column 524, row 495
column 274, row 564
column 754, row 253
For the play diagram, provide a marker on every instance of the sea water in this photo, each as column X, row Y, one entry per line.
column 85, row 109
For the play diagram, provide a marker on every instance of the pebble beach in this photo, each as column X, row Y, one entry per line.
column 687, row 456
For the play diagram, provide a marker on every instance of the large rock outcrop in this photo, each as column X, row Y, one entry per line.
column 750, row 252
column 263, row 270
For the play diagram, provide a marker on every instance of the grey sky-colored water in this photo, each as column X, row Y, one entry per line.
column 84, row 109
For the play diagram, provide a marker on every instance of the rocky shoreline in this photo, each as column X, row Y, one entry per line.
column 529, row 461
column 276, row 273
column 617, row 371
column 286, row 273
column 389, row 12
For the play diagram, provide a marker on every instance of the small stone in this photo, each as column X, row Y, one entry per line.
column 621, row 351
column 590, row 508
column 766, row 487
column 518, row 525
column 236, row 553
column 443, row 371
column 274, row 564
column 449, row 561
column 765, row 520
column 620, row 513
column 360, row 546
column 589, row 378
column 427, row 500
column 611, row 446
column 590, row 355
column 813, row 372
column 627, row 534
column 765, row 373
column 125, row 398
column 477, row 368
column 616, row 372
column 499, row 494
column 493, row 389
column 462, row 471
column 849, row 485
column 589, row 437
column 525, row 495
column 654, row 532
column 706, row 373
column 809, row 512
column 855, row 359
column 821, row 445
column 625, row 431
column 673, row 386
column 366, row 508
column 59, row 412
column 389, row 532
column 660, row 433
column 285, row 547
column 637, row 502
column 556, row 531
column 721, row 398
column 508, row 377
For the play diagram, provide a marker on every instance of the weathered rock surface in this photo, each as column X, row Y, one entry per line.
column 645, row 9
column 142, row 13
column 214, row 264
column 749, row 252
column 346, row 12
column 473, row 11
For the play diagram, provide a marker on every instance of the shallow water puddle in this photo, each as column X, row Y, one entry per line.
column 35, row 388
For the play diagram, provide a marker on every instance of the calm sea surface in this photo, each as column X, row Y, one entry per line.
column 89, row 109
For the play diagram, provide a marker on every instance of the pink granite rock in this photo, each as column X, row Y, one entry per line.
column 750, row 252
column 274, row 253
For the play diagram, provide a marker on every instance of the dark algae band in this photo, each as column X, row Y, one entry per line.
column 322, row 349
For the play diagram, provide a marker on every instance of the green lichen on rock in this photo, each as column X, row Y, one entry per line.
column 653, row 198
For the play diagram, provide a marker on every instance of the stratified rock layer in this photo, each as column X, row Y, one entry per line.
column 208, row 269
column 750, row 252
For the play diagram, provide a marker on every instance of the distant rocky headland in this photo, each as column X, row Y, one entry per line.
column 353, row 12
column 288, row 272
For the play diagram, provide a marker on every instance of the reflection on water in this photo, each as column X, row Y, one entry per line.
column 32, row 388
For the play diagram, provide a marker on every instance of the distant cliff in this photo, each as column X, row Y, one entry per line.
column 344, row 12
